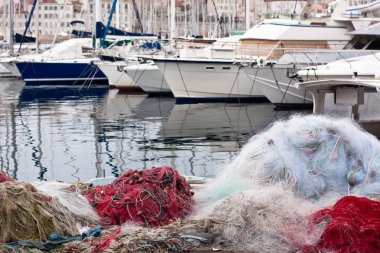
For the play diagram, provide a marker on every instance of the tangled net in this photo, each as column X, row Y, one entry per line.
column 70, row 196
column 179, row 236
column 314, row 155
column 27, row 214
column 152, row 197
column 353, row 225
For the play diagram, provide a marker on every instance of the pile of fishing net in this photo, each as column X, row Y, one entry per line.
column 352, row 225
column 287, row 172
column 313, row 154
column 4, row 177
column 71, row 197
column 151, row 197
column 179, row 236
column 27, row 214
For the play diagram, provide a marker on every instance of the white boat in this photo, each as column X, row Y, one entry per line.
column 148, row 77
column 276, row 82
column 200, row 80
column 346, row 88
column 284, row 59
column 117, row 78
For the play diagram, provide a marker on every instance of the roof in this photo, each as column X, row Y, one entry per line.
column 371, row 31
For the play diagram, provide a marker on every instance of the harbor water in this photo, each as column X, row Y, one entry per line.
column 74, row 134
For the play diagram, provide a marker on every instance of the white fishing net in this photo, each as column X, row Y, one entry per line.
column 312, row 154
column 270, row 220
column 70, row 197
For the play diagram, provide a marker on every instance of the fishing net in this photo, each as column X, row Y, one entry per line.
column 269, row 220
column 70, row 196
column 353, row 225
column 152, row 197
column 179, row 236
column 312, row 154
column 5, row 178
column 27, row 214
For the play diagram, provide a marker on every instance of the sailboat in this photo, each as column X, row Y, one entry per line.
column 65, row 64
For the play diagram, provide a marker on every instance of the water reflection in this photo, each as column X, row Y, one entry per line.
column 74, row 135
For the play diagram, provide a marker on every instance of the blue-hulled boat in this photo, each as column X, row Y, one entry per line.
column 65, row 64
column 63, row 72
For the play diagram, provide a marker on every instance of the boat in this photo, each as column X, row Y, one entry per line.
column 117, row 78
column 65, row 64
column 207, row 80
column 211, row 76
column 354, row 36
column 218, row 75
column 148, row 77
column 346, row 88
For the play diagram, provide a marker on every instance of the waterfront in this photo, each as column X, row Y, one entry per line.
column 75, row 134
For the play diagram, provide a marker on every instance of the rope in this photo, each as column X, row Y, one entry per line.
column 233, row 84
column 275, row 79
column 183, row 81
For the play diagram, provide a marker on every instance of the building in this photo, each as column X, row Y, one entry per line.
column 53, row 17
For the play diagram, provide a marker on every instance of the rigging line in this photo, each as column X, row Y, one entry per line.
column 163, row 77
column 344, row 58
column 307, row 56
column 87, row 80
column 183, row 81
column 254, row 80
column 142, row 73
column 287, row 87
column 275, row 79
column 86, row 71
column 377, row 58
column 58, row 26
column 135, row 73
column 91, row 80
column 233, row 84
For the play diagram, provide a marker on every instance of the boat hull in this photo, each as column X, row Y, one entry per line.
column 115, row 74
column 148, row 77
column 203, row 81
column 61, row 73
column 12, row 68
column 277, row 87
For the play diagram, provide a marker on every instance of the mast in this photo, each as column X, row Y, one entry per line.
column 172, row 19
column 10, row 23
column 117, row 24
column 185, row 18
column 247, row 16
column 138, row 16
column 4, row 19
column 217, row 18
column 108, row 23
column 97, row 33
column 26, row 26
column 37, row 28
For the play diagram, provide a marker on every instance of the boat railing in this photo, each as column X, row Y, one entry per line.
column 302, row 56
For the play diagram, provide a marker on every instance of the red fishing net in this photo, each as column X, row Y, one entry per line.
column 4, row 177
column 353, row 225
column 153, row 197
